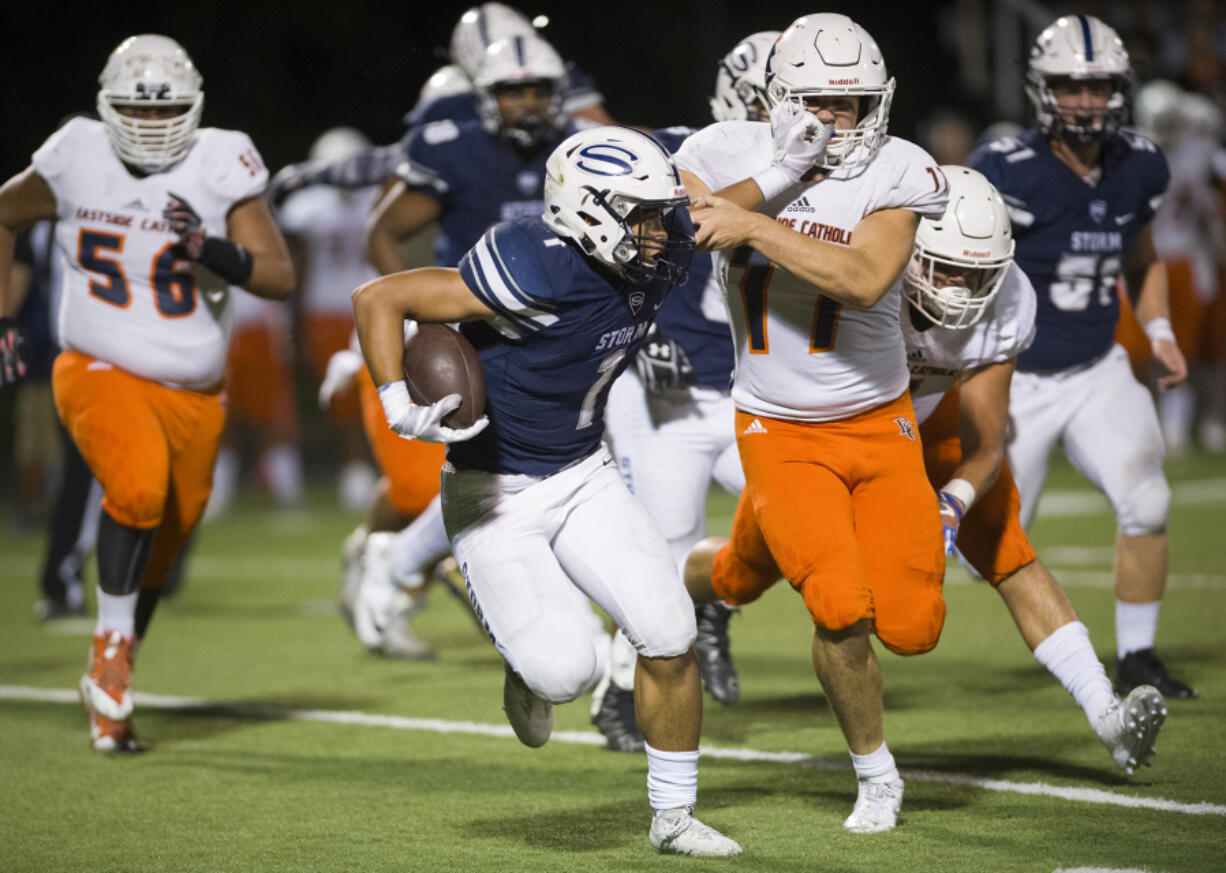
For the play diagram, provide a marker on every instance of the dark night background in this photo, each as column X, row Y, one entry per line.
column 286, row 73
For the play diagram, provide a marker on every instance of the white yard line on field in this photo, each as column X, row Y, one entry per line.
column 586, row 738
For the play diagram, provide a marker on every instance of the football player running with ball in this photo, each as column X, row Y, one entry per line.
column 538, row 515
column 836, row 496
column 156, row 219
column 1082, row 192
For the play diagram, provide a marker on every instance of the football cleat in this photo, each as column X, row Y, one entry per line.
column 677, row 832
column 876, row 808
column 1143, row 667
column 351, row 572
column 712, row 647
column 530, row 717
column 107, row 687
column 398, row 640
column 376, row 593
column 105, row 734
column 1130, row 726
column 614, row 718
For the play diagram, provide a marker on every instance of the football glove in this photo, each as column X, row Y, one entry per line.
column 800, row 140
column 417, row 422
column 952, row 510
column 342, row 367
column 13, row 364
column 661, row 363
column 186, row 223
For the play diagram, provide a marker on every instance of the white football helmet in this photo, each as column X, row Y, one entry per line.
column 598, row 182
column 973, row 239
column 479, row 28
column 740, row 82
column 150, row 71
column 518, row 60
column 336, row 143
column 1078, row 47
column 444, row 82
column 825, row 55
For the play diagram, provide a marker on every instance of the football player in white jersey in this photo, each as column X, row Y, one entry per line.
column 157, row 218
column 836, row 498
column 970, row 313
column 1082, row 192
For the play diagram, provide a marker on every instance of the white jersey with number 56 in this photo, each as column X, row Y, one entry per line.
column 800, row 355
column 127, row 299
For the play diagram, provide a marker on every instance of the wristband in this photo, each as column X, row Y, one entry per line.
column 773, row 181
column 1159, row 329
column 227, row 259
column 960, row 490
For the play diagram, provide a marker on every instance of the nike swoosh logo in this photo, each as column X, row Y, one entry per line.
column 1121, row 220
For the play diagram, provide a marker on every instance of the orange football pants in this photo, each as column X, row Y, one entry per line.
column 990, row 536
column 259, row 380
column 412, row 467
column 844, row 512
column 151, row 447
column 324, row 334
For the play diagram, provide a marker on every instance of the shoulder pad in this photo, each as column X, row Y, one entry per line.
column 233, row 169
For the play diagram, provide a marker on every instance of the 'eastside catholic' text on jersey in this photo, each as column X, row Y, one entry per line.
column 799, row 355
column 564, row 331
column 938, row 356
column 127, row 299
column 478, row 179
column 1073, row 236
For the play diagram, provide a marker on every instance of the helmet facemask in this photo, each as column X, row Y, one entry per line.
column 530, row 130
column 639, row 256
column 1085, row 128
column 853, row 147
column 931, row 283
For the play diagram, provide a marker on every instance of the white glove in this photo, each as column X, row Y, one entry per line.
column 800, row 141
column 342, row 367
column 415, row 422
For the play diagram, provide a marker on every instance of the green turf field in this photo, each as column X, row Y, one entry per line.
column 299, row 752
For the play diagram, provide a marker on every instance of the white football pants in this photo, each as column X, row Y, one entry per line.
column 1110, row 431
column 530, row 547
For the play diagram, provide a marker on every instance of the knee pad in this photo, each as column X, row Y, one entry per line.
column 1146, row 507
column 916, row 629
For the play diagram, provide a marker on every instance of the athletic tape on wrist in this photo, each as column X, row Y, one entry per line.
column 1159, row 329
column 961, row 490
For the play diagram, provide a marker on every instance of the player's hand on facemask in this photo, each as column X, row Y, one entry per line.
column 800, row 139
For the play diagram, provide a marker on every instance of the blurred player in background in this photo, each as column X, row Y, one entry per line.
column 157, row 218
column 325, row 227
column 537, row 514
column 670, row 419
column 836, row 498
column 1082, row 193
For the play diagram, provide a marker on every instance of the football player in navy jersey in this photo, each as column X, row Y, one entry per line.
column 1082, row 191
column 669, row 420
column 538, row 516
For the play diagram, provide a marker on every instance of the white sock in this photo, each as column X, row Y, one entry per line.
column 876, row 766
column 1136, row 624
column 420, row 546
column 116, row 612
column 1069, row 656
column 225, row 481
column 672, row 778
column 283, row 466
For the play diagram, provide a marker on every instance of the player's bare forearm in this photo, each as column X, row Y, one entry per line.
column 252, row 226
column 399, row 215
column 381, row 306
column 983, row 418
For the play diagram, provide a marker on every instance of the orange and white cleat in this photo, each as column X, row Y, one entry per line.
column 106, row 693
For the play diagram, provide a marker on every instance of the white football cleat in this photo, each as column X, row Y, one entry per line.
column 677, row 832
column 530, row 717
column 375, row 605
column 351, row 572
column 1130, row 727
column 876, row 807
column 398, row 640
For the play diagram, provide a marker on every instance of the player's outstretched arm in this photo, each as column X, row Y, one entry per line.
column 251, row 225
column 399, row 214
column 24, row 199
column 1145, row 281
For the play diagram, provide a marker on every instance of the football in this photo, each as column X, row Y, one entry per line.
column 439, row 361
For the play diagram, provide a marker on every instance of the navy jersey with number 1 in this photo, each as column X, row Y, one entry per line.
column 564, row 330
column 1073, row 236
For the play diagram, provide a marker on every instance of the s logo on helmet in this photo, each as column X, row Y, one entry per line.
column 606, row 159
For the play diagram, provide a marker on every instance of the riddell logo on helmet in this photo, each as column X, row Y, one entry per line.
column 970, row 253
column 855, row 81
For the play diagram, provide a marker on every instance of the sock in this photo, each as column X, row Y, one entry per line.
column 1069, row 656
column 420, row 546
column 876, row 766
column 672, row 778
column 283, row 467
column 225, row 481
column 1136, row 624
column 116, row 612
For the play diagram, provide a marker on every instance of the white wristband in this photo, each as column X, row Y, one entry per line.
column 395, row 399
column 1159, row 329
column 960, row 489
column 773, row 181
